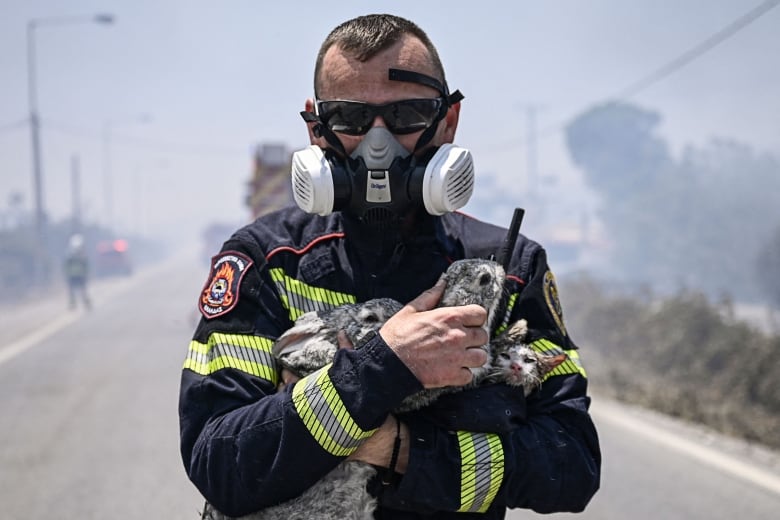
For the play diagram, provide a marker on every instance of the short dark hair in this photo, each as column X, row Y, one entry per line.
column 365, row 36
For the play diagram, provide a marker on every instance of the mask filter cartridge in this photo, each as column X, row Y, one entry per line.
column 448, row 182
column 312, row 181
column 323, row 183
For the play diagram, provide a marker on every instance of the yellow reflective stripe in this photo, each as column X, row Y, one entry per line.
column 299, row 297
column 250, row 354
column 482, row 470
column 508, row 314
column 325, row 416
column 572, row 365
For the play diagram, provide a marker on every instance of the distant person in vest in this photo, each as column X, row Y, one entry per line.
column 76, row 269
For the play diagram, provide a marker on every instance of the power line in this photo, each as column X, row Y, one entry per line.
column 696, row 51
column 10, row 127
column 191, row 149
column 143, row 143
column 674, row 65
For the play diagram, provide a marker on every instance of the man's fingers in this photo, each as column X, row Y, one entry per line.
column 475, row 357
column 465, row 376
column 473, row 315
column 428, row 299
column 287, row 378
column 457, row 370
column 439, row 345
column 343, row 340
column 477, row 337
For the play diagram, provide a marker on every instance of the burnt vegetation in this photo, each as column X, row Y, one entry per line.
column 681, row 355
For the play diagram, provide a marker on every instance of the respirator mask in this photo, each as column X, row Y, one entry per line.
column 381, row 181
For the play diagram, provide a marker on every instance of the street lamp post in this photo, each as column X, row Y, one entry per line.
column 35, row 127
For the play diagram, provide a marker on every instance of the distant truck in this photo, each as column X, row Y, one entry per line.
column 112, row 258
column 270, row 187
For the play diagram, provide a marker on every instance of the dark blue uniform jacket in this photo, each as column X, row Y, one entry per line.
column 473, row 454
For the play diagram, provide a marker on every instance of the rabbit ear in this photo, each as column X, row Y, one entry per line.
column 293, row 339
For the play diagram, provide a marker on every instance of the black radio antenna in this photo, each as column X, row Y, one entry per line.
column 505, row 252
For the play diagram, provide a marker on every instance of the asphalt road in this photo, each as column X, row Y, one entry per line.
column 89, row 423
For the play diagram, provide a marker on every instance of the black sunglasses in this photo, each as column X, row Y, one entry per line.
column 401, row 117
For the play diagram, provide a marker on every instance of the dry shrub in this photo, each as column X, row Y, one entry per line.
column 681, row 355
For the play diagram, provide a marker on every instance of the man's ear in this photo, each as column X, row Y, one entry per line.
column 451, row 123
column 313, row 138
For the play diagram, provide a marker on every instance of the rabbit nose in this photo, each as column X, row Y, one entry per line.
column 516, row 367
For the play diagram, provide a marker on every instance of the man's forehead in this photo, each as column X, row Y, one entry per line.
column 343, row 73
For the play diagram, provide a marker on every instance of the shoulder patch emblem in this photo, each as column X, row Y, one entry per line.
column 553, row 300
column 220, row 294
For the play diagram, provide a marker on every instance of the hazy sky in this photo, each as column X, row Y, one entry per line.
column 214, row 79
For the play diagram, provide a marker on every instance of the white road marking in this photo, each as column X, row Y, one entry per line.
column 32, row 339
column 711, row 457
column 111, row 289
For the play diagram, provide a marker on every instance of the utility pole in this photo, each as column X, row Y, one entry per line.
column 75, row 183
column 40, row 274
column 39, row 264
column 108, row 190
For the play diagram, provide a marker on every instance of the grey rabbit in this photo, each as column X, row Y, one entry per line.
column 470, row 281
column 312, row 342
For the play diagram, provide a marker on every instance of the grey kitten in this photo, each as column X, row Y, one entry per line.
column 516, row 363
column 312, row 342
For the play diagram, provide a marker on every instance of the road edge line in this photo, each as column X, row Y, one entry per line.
column 709, row 456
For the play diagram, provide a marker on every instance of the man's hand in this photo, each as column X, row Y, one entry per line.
column 288, row 378
column 438, row 345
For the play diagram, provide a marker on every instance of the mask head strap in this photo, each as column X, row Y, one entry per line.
column 410, row 76
column 322, row 130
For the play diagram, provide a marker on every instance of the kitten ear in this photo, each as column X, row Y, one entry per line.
column 517, row 331
column 549, row 363
column 521, row 328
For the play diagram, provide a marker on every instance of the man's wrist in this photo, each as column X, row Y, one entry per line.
column 379, row 449
column 388, row 476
